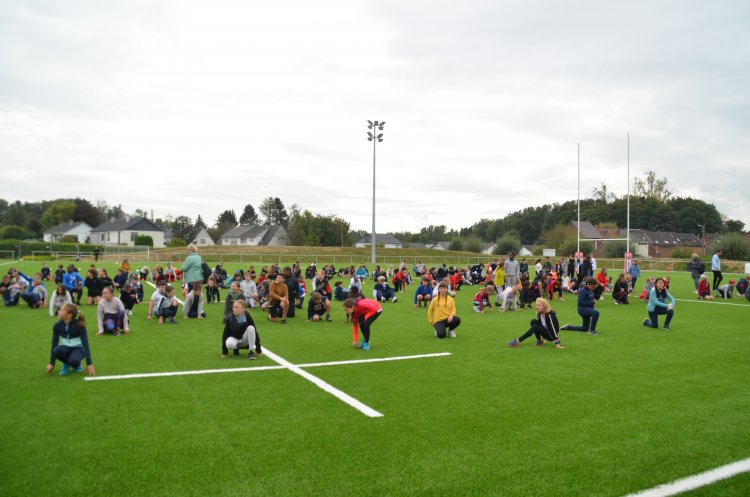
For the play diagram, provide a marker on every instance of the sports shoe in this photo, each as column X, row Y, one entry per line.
column 617, row 303
column 79, row 369
column 235, row 352
column 514, row 343
column 647, row 322
column 666, row 328
column 452, row 334
column 382, row 299
column 394, row 299
column 250, row 356
column 366, row 346
column 328, row 317
column 476, row 309
column 566, row 326
column 172, row 320
column 594, row 333
column 539, row 343
column 130, row 312
column 65, row 370
column 283, row 321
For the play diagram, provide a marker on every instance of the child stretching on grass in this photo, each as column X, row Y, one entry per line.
column 482, row 298
column 363, row 313
column 704, row 289
column 110, row 314
column 240, row 332
column 166, row 306
column 70, row 343
column 545, row 327
column 316, row 308
column 442, row 313
column 586, row 301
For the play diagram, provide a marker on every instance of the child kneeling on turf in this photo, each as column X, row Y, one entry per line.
column 704, row 289
column 316, row 308
column 166, row 306
column 110, row 313
column 363, row 313
column 60, row 297
column 442, row 313
column 240, row 332
column 193, row 306
column 482, row 298
column 545, row 327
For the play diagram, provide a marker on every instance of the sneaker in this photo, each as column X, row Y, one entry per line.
column 617, row 303
column 394, row 299
column 476, row 309
column 116, row 333
column 452, row 334
column 696, row 291
column 539, row 343
column 514, row 343
column 250, row 356
column 365, row 346
column 382, row 299
column 236, row 352
column 647, row 322
column 594, row 333
column 328, row 318
column 130, row 312
column 566, row 326
column 283, row 321
column 65, row 370
column 172, row 320
column 666, row 328
column 79, row 369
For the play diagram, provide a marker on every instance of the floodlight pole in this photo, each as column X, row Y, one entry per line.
column 627, row 242
column 578, row 227
column 374, row 137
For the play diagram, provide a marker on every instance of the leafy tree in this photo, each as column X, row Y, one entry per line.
column 602, row 194
column 12, row 232
column 177, row 242
column 571, row 244
column 510, row 241
column 734, row 225
column 431, row 234
column 86, row 212
column 182, row 227
column 456, row 245
column 555, row 237
column 309, row 229
column 249, row 216
column 58, row 213
column 473, row 244
column 228, row 217
column 652, row 187
column 615, row 250
column 16, row 215
column 69, row 239
column 273, row 211
column 734, row 247
column 141, row 213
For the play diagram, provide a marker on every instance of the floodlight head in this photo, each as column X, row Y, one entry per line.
column 370, row 127
column 380, row 128
column 376, row 123
column 382, row 124
column 369, row 134
column 380, row 137
column 370, row 123
column 369, row 139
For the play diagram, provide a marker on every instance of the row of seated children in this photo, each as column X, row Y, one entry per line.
column 726, row 291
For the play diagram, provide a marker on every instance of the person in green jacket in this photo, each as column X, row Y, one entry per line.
column 192, row 271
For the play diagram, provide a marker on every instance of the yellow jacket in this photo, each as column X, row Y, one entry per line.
column 499, row 277
column 440, row 309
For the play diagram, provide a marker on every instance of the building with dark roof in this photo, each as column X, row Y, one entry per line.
column 386, row 240
column 273, row 235
column 80, row 230
column 125, row 231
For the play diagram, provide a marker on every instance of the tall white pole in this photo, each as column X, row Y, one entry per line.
column 578, row 228
column 627, row 246
column 372, row 238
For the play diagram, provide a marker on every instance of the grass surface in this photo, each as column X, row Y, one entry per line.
column 609, row 415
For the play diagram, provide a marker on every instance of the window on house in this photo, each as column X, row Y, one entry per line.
column 202, row 241
column 108, row 236
column 243, row 240
column 133, row 235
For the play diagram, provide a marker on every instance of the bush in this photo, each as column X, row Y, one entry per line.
column 177, row 242
column 684, row 253
column 569, row 247
column 456, row 245
column 144, row 241
column 12, row 231
column 734, row 247
column 506, row 243
column 473, row 244
column 616, row 250
column 69, row 239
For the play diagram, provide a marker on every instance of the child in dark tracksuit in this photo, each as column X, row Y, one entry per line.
column 586, row 301
column 545, row 327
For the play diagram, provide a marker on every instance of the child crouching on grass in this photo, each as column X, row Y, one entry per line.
column 482, row 298
column 70, row 343
column 545, row 327
column 363, row 313
column 60, row 297
column 240, row 332
column 166, row 306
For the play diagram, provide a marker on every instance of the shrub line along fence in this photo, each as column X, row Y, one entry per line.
column 140, row 255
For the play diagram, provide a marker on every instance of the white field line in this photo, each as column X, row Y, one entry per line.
column 342, row 396
column 259, row 368
column 7, row 263
column 696, row 301
column 178, row 373
column 696, row 481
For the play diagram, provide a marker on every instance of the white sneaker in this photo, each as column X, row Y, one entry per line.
column 394, row 299
column 452, row 334
column 130, row 312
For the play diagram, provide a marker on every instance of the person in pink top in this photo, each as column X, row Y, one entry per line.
column 363, row 313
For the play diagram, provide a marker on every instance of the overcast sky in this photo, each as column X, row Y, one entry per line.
column 193, row 107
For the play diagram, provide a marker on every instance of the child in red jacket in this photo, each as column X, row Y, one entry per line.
column 363, row 313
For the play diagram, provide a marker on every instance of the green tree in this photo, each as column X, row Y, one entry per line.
column 602, row 194
column 555, row 236
column 734, row 247
column 228, row 217
column 734, row 225
column 652, row 187
column 273, row 211
column 177, row 242
column 199, row 223
column 12, row 232
column 570, row 246
column 182, row 227
column 510, row 241
column 58, row 213
column 472, row 244
column 615, row 250
column 249, row 216
column 143, row 241
column 16, row 215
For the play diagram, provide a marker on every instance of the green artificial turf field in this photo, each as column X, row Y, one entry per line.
column 609, row 415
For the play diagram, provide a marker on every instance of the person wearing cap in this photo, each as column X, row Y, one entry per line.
column 586, row 310
column 725, row 291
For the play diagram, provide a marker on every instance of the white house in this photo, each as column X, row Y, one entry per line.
column 386, row 240
column 274, row 235
column 202, row 238
column 487, row 248
column 80, row 230
column 525, row 251
column 125, row 231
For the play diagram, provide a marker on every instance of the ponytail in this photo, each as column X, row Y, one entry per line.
column 81, row 320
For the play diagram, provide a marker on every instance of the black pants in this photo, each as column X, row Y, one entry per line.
column 440, row 326
column 211, row 293
column 364, row 325
column 537, row 330
column 717, row 279
column 74, row 292
column 72, row 356
column 654, row 316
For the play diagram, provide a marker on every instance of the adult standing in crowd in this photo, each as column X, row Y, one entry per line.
column 192, row 271
column 511, row 270
column 716, row 269
column 635, row 272
column 697, row 268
